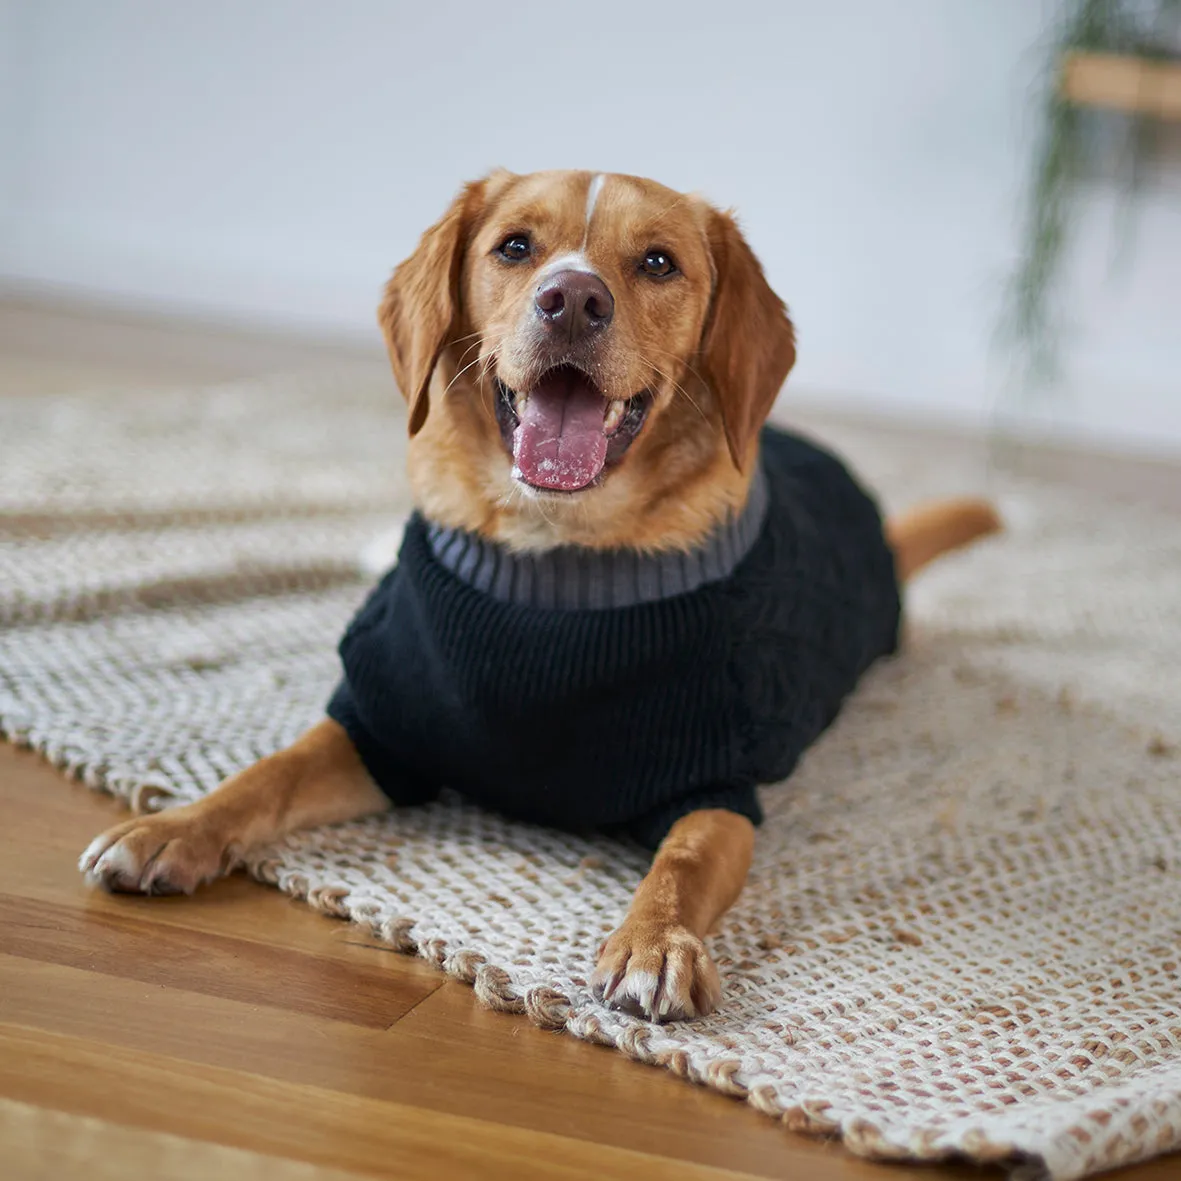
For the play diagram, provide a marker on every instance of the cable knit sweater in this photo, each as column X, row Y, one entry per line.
column 619, row 692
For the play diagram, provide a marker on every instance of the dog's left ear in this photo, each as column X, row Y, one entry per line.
column 420, row 308
column 748, row 345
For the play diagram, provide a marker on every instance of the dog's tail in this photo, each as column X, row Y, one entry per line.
column 921, row 534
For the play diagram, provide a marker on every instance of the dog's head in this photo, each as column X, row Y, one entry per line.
column 587, row 359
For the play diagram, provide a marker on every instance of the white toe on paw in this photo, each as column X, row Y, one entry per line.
column 636, row 990
column 153, row 855
column 117, row 863
column 93, row 852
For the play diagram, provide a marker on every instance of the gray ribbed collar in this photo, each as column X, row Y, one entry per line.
column 576, row 578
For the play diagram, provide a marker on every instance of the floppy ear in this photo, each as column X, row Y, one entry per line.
column 748, row 345
column 420, row 309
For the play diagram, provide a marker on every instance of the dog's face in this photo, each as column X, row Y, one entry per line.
column 589, row 294
column 587, row 360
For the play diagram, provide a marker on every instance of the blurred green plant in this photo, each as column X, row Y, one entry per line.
column 1030, row 325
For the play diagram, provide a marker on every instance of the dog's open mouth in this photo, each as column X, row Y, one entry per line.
column 563, row 432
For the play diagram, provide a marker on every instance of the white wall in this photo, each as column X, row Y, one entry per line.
column 275, row 157
column 13, row 127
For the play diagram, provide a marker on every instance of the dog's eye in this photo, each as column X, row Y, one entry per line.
column 516, row 248
column 658, row 264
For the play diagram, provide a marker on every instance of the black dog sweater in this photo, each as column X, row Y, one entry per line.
column 617, row 691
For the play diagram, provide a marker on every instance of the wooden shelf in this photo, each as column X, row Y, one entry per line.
column 1123, row 83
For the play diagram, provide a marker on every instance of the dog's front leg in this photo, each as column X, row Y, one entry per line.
column 656, row 964
column 318, row 780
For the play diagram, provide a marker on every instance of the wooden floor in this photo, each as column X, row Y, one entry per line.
column 240, row 1034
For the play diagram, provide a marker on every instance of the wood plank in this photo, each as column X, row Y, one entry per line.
column 595, row 1091
column 302, row 1122
column 594, row 1087
column 532, row 1080
column 42, row 1145
column 1123, row 83
column 137, row 948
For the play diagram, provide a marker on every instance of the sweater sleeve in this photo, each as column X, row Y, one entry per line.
column 651, row 828
column 403, row 788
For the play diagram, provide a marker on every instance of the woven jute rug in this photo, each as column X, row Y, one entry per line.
column 961, row 934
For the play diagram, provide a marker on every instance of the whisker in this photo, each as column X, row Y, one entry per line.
column 696, row 374
column 676, row 386
column 460, row 373
column 541, row 509
column 492, row 352
column 485, row 385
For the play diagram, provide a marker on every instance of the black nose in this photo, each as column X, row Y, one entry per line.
column 575, row 303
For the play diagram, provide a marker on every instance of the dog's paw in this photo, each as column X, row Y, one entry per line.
column 656, row 970
column 168, row 853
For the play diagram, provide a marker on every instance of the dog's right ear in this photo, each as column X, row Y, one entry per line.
column 419, row 312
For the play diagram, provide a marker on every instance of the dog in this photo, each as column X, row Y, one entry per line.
column 622, row 602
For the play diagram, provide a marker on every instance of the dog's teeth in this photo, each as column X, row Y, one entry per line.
column 519, row 404
column 614, row 416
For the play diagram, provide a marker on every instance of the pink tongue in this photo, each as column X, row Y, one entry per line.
column 560, row 442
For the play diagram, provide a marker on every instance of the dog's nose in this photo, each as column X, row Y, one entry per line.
column 575, row 303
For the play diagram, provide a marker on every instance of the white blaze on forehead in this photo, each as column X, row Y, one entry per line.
column 577, row 260
column 592, row 197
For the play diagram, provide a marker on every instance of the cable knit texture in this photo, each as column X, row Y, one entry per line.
column 626, row 718
column 959, row 938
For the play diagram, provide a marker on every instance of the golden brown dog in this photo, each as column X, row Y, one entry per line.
column 652, row 310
